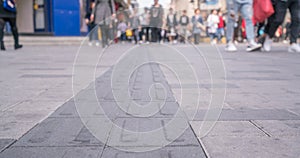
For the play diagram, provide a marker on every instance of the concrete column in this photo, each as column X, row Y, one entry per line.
column 25, row 16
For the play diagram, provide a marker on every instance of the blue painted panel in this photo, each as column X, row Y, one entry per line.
column 66, row 17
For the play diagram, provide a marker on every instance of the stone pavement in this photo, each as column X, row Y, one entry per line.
column 39, row 114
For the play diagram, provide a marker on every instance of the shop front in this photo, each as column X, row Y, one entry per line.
column 50, row 17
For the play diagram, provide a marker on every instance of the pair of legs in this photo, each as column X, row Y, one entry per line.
column 105, row 34
column 220, row 33
column 245, row 7
column 277, row 18
column 93, row 35
column 212, row 36
column 155, row 34
column 246, row 10
column 145, row 31
column 196, row 38
column 13, row 24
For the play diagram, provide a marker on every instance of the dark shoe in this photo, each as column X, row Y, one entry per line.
column 18, row 46
column 2, row 46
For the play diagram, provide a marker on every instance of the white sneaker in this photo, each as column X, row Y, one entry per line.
column 253, row 46
column 230, row 47
column 175, row 42
column 97, row 44
column 90, row 43
column 267, row 44
column 294, row 48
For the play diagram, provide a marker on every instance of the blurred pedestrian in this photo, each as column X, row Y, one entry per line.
column 221, row 25
column 275, row 20
column 172, row 26
column 122, row 27
column 8, row 13
column 145, row 21
column 197, row 22
column 245, row 7
column 184, row 22
column 156, row 20
column 212, row 23
column 93, row 29
column 135, row 25
column 102, row 14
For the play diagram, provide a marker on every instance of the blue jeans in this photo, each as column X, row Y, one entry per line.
column 220, row 33
column 93, row 34
column 245, row 7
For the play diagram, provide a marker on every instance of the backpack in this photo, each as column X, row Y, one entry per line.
column 9, row 5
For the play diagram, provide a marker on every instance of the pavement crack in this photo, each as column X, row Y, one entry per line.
column 260, row 128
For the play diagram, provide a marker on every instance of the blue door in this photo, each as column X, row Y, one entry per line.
column 66, row 17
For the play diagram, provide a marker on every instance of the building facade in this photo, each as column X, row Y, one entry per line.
column 53, row 17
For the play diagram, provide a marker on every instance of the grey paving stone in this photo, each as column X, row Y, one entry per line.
column 183, row 136
column 52, row 152
column 45, row 76
column 251, row 114
column 58, row 132
column 5, row 143
column 166, row 152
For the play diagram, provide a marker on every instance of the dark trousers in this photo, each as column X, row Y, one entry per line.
column 155, row 34
column 277, row 18
column 105, row 34
column 13, row 24
column 145, row 31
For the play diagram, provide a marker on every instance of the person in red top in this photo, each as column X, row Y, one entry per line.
column 221, row 26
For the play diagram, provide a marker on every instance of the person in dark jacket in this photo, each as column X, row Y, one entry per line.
column 93, row 30
column 156, row 20
column 11, row 18
column 102, row 14
column 172, row 26
column 184, row 22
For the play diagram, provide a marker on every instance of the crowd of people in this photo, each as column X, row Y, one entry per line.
column 152, row 25
column 109, row 25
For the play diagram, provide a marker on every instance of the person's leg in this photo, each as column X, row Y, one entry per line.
column 295, row 25
column 277, row 18
column 103, row 35
column 197, row 38
column 232, row 9
column 2, row 24
column 295, row 17
column 247, row 13
column 14, row 30
column 153, row 34
column 134, row 31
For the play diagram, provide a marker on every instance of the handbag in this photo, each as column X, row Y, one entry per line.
column 9, row 5
column 262, row 10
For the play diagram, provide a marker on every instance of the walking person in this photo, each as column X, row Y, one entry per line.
column 145, row 21
column 135, row 25
column 9, row 14
column 275, row 20
column 245, row 7
column 184, row 22
column 172, row 26
column 198, row 26
column 102, row 15
column 93, row 30
column 156, row 20
column 221, row 25
column 212, row 22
